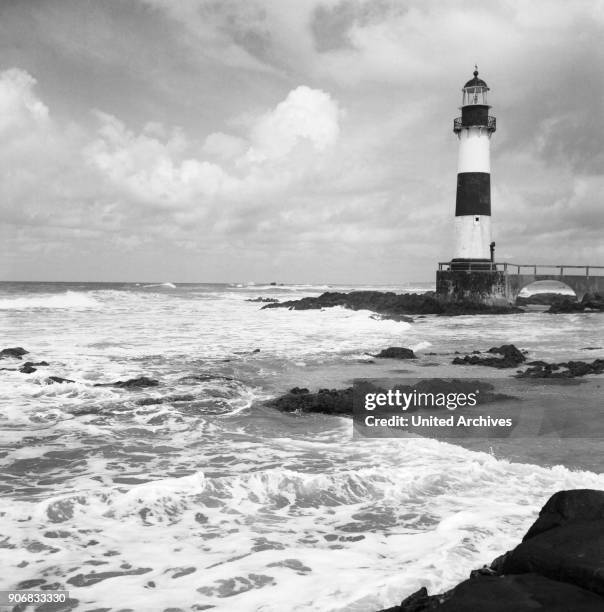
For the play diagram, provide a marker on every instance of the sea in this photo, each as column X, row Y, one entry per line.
column 196, row 495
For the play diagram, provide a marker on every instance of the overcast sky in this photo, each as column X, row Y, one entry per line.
column 290, row 140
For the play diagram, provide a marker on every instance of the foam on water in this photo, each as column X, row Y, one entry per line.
column 70, row 300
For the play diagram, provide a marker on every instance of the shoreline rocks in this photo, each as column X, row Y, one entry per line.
column 565, row 369
column 395, row 352
column 511, row 357
column 556, row 568
column 590, row 302
column 16, row 352
column 131, row 383
column 389, row 303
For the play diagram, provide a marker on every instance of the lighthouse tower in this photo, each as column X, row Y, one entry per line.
column 473, row 202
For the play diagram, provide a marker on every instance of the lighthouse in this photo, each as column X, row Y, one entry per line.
column 473, row 246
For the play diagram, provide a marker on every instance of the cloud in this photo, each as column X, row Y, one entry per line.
column 305, row 115
column 154, row 166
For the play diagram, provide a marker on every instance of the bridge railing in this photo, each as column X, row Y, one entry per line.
column 513, row 268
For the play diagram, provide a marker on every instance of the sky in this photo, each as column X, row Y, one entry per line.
column 304, row 141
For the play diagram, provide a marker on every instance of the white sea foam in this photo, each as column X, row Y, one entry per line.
column 70, row 300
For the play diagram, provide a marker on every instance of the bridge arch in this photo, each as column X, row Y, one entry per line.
column 579, row 284
column 558, row 288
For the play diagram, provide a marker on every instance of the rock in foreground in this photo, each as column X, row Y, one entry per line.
column 556, row 568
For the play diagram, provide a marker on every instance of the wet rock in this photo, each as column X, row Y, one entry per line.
column 27, row 369
column 571, row 553
column 545, row 299
column 590, row 302
column 394, row 317
column 522, row 593
column 511, row 357
column 389, row 303
column 16, row 352
column 151, row 401
column 131, row 383
column 567, row 369
column 396, row 352
column 35, row 364
column 326, row 401
column 568, row 508
column 58, row 379
column 268, row 300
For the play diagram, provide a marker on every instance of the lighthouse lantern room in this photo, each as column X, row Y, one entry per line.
column 473, row 247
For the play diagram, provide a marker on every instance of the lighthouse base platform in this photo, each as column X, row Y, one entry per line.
column 480, row 286
column 496, row 284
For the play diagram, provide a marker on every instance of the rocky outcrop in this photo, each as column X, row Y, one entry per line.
column 268, row 300
column 58, row 379
column 396, row 352
column 340, row 401
column 556, row 568
column 565, row 369
column 590, row 302
column 131, row 383
column 511, row 357
column 325, row 401
column 544, row 299
column 389, row 303
column 16, row 352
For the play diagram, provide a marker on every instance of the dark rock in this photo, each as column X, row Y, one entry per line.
column 131, row 383
column 58, row 379
column 326, row 401
column 389, row 303
column 17, row 352
column 27, row 369
column 565, row 306
column 590, row 301
column 571, row 553
column 568, row 508
column 523, row 593
column 568, row 369
column 545, row 299
column 393, row 317
column 151, row 401
column 340, row 401
column 396, row 352
column 511, row 357
column 35, row 363
column 268, row 300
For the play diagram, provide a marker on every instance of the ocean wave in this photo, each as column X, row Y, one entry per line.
column 166, row 285
column 70, row 300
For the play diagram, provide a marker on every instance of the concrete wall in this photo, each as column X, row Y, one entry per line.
column 501, row 288
column 483, row 287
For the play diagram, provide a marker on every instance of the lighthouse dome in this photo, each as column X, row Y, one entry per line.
column 476, row 82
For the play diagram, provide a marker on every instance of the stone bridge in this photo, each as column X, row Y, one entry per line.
column 504, row 281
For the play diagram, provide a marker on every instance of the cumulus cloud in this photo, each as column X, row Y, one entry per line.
column 154, row 166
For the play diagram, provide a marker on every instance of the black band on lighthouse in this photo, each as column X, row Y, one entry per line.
column 473, row 194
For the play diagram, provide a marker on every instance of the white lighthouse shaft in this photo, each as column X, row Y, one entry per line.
column 472, row 219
